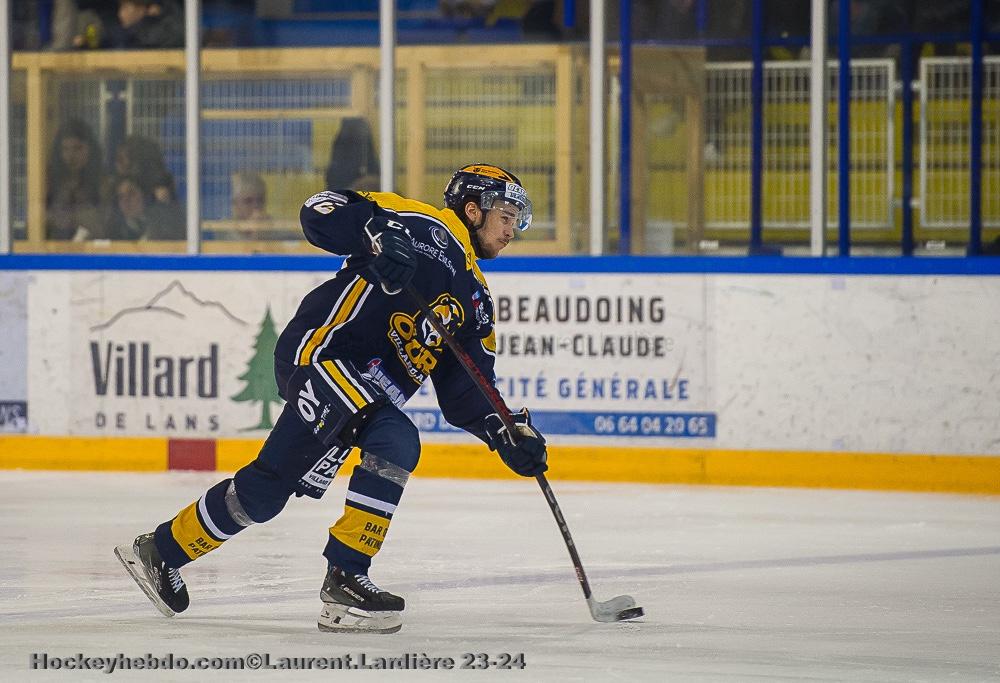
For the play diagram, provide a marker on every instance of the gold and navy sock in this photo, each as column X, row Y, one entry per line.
column 202, row 526
column 372, row 496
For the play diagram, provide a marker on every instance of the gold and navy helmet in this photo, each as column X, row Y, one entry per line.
column 486, row 184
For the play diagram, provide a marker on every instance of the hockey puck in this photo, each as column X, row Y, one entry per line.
column 632, row 613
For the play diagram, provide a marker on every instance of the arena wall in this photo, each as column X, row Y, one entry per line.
column 830, row 379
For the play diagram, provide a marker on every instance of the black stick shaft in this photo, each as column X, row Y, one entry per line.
column 496, row 401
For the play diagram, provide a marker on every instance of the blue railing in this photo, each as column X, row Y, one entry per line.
column 909, row 43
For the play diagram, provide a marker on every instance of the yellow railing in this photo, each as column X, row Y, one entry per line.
column 552, row 129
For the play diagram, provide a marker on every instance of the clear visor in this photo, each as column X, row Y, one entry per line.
column 515, row 200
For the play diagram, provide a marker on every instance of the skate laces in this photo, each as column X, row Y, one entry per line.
column 366, row 583
column 176, row 582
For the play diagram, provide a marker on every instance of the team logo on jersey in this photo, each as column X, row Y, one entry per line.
column 482, row 306
column 440, row 236
column 416, row 340
column 376, row 375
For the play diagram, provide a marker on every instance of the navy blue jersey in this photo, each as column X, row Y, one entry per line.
column 350, row 318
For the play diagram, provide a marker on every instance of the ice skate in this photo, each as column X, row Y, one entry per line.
column 163, row 585
column 353, row 604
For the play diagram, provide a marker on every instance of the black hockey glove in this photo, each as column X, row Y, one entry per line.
column 524, row 451
column 395, row 261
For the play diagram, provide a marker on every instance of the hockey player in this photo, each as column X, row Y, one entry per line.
column 355, row 351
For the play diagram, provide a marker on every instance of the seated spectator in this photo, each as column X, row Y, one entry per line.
column 83, row 24
column 136, row 215
column 140, row 156
column 542, row 20
column 150, row 24
column 249, row 198
column 73, row 199
column 467, row 9
column 944, row 16
column 353, row 160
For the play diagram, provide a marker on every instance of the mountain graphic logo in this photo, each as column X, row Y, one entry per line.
column 156, row 304
column 259, row 374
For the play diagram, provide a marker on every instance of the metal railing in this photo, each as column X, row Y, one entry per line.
column 944, row 164
column 787, row 143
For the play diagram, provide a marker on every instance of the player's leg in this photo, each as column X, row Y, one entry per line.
column 255, row 494
column 390, row 448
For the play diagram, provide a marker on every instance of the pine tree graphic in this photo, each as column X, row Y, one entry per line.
column 259, row 375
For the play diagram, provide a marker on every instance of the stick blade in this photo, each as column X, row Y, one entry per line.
column 619, row 608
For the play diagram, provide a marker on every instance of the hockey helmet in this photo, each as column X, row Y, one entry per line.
column 486, row 184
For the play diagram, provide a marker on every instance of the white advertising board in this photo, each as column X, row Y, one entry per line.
column 174, row 354
column 13, row 352
column 603, row 355
column 902, row 364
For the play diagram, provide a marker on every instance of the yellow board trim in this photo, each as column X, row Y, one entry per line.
column 360, row 530
column 875, row 471
column 190, row 535
column 30, row 452
column 341, row 315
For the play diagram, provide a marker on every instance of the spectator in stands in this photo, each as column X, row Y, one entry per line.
column 353, row 160
column 874, row 17
column 73, row 198
column 249, row 198
column 150, row 24
column 83, row 24
column 467, row 9
column 136, row 215
column 140, row 156
column 943, row 16
column 787, row 19
column 24, row 33
column 671, row 19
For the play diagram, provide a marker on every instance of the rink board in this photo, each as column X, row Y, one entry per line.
column 874, row 471
column 780, row 377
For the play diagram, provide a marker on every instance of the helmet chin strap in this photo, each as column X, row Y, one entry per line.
column 474, row 236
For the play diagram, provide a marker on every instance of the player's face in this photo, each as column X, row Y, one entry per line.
column 498, row 229
column 75, row 153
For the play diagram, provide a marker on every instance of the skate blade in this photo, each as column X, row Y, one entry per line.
column 344, row 619
column 133, row 566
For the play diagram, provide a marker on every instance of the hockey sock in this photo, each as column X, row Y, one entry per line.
column 202, row 526
column 372, row 496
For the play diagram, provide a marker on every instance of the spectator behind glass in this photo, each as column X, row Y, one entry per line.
column 249, row 198
column 136, row 215
column 140, row 156
column 353, row 161
column 74, row 182
column 150, row 24
column 466, row 9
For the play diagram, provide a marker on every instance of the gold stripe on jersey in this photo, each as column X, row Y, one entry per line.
column 340, row 315
column 360, row 530
column 191, row 534
column 344, row 384
column 490, row 343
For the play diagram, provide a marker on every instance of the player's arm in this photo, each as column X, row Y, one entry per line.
column 347, row 223
column 462, row 403
column 464, row 406
column 335, row 221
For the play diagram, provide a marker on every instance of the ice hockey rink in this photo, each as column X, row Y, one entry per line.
column 737, row 583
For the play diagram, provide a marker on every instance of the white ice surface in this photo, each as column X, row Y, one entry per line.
column 738, row 584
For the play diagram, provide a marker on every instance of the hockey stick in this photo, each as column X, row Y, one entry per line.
column 618, row 608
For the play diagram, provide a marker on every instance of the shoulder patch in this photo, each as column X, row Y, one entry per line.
column 325, row 202
column 440, row 236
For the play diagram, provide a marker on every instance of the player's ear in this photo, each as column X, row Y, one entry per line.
column 473, row 212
